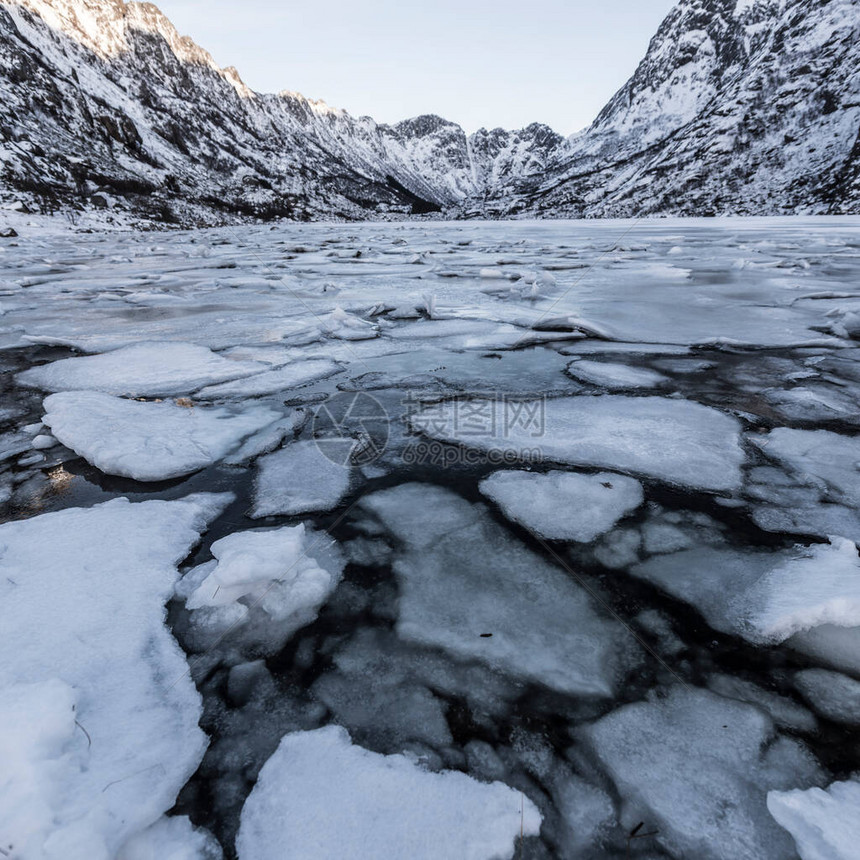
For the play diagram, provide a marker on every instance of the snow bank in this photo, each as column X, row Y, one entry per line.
column 148, row 441
column 98, row 717
column 320, row 796
column 564, row 505
column 140, row 370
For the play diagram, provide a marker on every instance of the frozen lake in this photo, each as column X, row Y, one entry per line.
column 557, row 521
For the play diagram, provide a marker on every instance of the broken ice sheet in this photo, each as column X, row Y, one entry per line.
column 564, row 505
column 831, row 694
column 675, row 441
column 764, row 596
column 293, row 375
column 262, row 587
column 148, row 441
column 697, row 767
column 299, row 479
column 99, row 716
column 140, row 370
column 461, row 575
column 613, row 376
column 823, row 822
column 322, row 796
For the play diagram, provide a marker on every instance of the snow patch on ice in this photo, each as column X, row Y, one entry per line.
column 98, row 717
column 824, row 822
column 321, row 796
column 148, row 441
column 140, row 370
column 564, row 505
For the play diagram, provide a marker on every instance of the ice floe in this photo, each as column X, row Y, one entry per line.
column 831, row 694
column 564, row 505
column 823, row 822
column 98, row 714
column 614, row 376
column 676, row 441
column 696, row 767
column 764, row 596
column 262, row 586
column 148, row 441
column 321, row 796
column 461, row 577
column 293, row 375
column 298, row 479
column 174, row 838
column 140, row 370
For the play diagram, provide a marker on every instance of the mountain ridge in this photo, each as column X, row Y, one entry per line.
column 106, row 105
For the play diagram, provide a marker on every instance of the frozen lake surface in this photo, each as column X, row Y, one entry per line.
column 451, row 540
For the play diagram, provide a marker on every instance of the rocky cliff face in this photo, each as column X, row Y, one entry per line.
column 738, row 106
column 105, row 104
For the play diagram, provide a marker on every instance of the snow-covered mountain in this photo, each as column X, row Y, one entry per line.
column 739, row 106
column 104, row 103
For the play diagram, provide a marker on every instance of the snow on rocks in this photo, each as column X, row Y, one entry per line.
column 98, row 717
column 298, row 479
column 321, row 796
column 268, row 582
column 614, row 376
column 140, row 370
column 675, row 441
column 696, row 767
column 824, row 822
column 564, row 505
column 462, row 576
column 148, row 441
column 293, row 375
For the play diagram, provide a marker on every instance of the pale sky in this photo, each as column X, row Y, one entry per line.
column 477, row 62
